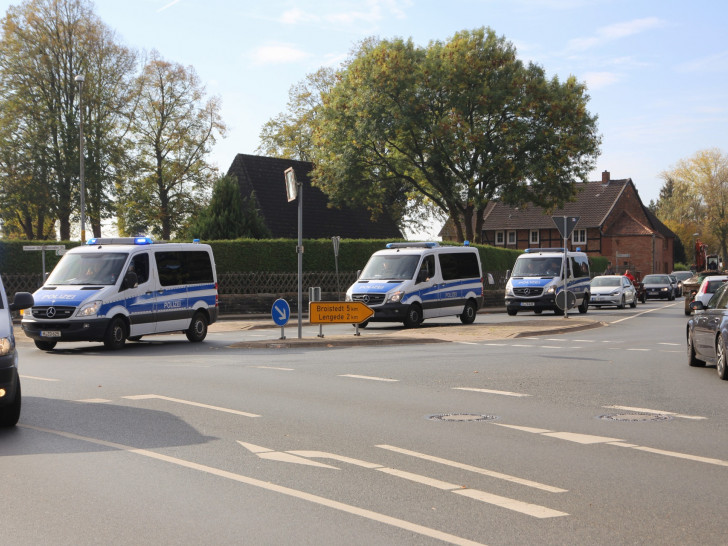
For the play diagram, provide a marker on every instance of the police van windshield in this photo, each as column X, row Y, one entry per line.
column 541, row 266
column 84, row 269
column 390, row 267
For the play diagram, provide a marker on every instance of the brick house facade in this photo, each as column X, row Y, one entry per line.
column 613, row 222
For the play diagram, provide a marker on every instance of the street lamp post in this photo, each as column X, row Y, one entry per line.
column 79, row 81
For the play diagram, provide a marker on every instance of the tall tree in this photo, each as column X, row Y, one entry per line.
column 173, row 129
column 289, row 135
column 455, row 124
column 229, row 216
column 43, row 46
column 700, row 195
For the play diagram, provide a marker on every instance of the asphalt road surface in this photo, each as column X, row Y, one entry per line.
column 600, row 436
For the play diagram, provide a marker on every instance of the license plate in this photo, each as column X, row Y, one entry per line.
column 50, row 333
column 527, row 304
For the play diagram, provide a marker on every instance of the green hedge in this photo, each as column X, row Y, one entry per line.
column 267, row 255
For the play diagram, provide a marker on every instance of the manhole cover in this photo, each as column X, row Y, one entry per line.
column 635, row 417
column 461, row 417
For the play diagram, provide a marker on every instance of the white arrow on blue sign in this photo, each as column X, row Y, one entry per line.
column 281, row 312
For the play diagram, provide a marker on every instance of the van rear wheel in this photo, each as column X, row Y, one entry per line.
column 468, row 314
column 198, row 328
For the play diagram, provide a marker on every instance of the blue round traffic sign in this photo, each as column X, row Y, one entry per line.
column 281, row 312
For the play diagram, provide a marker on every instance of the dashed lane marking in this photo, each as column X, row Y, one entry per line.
column 488, row 391
column 656, row 412
column 189, row 403
column 370, row 378
column 38, row 378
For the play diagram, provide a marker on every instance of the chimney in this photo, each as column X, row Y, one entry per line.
column 605, row 177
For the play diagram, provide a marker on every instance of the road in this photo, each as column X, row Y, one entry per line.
column 603, row 436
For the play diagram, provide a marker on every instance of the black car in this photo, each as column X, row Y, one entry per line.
column 659, row 286
column 707, row 332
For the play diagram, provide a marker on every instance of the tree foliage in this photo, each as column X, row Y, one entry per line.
column 694, row 200
column 229, row 216
column 43, row 46
column 454, row 125
column 172, row 128
column 289, row 135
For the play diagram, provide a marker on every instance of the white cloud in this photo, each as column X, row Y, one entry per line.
column 297, row 16
column 598, row 80
column 369, row 12
column 616, row 31
column 169, row 5
column 277, row 54
column 713, row 63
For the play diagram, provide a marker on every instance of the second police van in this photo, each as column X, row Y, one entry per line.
column 111, row 290
column 411, row 282
column 538, row 276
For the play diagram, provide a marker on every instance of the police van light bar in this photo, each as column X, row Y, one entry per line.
column 530, row 250
column 412, row 245
column 120, row 241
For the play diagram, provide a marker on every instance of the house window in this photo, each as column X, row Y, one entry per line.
column 512, row 238
column 499, row 239
column 579, row 237
column 533, row 237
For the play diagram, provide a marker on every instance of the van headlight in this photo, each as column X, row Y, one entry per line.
column 509, row 290
column 395, row 297
column 348, row 298
column 550, row 290
column 90, row 309
column 6, row 346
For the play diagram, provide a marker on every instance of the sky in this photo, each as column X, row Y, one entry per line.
column 656, row 70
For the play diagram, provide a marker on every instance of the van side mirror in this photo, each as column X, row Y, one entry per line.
column 22, row 300
column 508, row 274
column 490, row 279
column 358, row 273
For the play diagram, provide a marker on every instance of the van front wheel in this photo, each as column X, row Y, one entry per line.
column 468, row 314
column 44, row 345
column 198, row 328
column 115, row 335
column 414, row 316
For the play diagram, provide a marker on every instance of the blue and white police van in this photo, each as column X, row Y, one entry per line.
column 539, row 275
column 115, row 289
column 411, row 282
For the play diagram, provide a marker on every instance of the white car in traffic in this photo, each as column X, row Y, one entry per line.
column 612, row 290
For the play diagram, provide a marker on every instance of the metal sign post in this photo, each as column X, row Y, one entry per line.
column 336, row 240
column 294, row 190
column 565, row 225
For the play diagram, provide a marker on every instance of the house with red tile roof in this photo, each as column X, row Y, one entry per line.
column 264, row 176
column 613, row 222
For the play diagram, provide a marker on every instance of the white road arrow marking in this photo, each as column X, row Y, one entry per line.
column 526, row 508
column 281, row 457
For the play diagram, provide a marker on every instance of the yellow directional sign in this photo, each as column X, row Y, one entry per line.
column 334, row 312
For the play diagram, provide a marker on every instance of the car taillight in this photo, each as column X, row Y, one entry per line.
column 216, row 295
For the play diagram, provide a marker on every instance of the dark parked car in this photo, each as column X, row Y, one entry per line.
column 659, row 285
column 707, row 332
